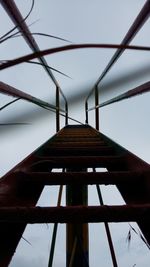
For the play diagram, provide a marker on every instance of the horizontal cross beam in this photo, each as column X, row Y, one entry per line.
column 75, row 214
column 64, row 178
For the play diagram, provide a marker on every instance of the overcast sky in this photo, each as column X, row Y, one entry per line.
column 127, row 122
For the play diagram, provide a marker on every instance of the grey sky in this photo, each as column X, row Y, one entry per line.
column 80, row 21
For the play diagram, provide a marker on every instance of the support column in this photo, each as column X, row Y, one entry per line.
column 97, row 109
column 57, row 110
column 77, row 234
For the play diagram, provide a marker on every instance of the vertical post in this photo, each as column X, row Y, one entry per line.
column 51, row 256
column 111, row 247
column 77, row 234
column 66, row 109
column 96, row 109
column 57, row 110
column 86, row 112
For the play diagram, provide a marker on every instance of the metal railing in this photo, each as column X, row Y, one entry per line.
column 134, row 29
column 58, row 92
column 20, row 23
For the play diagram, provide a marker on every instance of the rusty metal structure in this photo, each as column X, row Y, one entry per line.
column 74, row 149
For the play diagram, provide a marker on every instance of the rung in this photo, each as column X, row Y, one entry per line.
column 77, row 144
column 73, row 135
column 59, row 151
column 82, row 161
column 78, row 139
column 63, row 178
column 75, row 214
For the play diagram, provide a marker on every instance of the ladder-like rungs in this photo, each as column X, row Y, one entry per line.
column 78, row 178
column 75, row 214
column 77, row 151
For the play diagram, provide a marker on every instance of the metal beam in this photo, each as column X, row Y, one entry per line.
column 9, row 90
column 134, row 29
column 75, row 214
column 142, row 89
column 60, row 178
